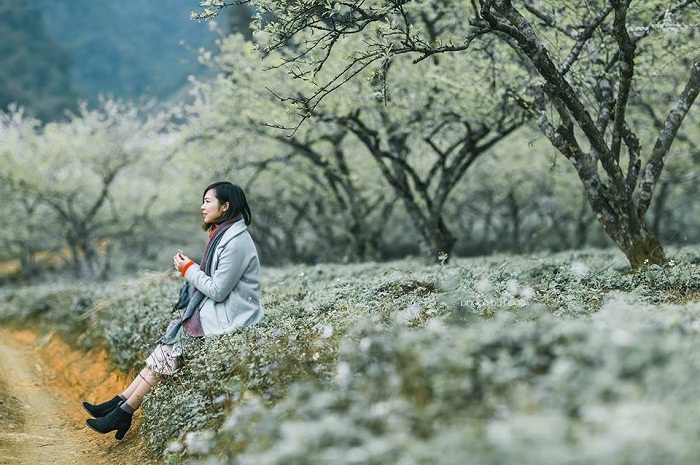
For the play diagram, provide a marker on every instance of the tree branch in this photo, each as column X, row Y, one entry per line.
column 626, row 64
column 673, row 122
column 556, row 85
column 584, row 38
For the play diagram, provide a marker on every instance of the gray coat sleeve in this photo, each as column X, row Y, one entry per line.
column 233, row 260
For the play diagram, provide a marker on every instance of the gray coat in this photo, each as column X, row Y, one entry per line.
column 232, row 292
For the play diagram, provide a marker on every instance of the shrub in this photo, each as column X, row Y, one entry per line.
column 607, row 389
column 530, row 359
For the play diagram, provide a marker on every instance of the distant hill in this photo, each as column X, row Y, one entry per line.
column 35, row 67
column 129, row 48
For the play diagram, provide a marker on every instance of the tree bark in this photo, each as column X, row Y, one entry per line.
column 620, row 200
column 640, row 246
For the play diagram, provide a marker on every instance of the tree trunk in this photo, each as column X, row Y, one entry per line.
column 640, row 246
column 514, row 213
column 436, row 237
column 439, row 244
column 660, row 198
column 583, row 222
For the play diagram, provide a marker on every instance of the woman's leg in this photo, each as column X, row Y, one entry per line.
column 145, row 375
column 144, row 382
column 120, row 417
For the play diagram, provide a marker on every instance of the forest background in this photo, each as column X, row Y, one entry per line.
column 440, row 284
column 114, row 133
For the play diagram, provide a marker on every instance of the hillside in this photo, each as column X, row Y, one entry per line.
column 544, row 359
column 128, row 49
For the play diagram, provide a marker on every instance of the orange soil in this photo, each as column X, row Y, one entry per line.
column 42, row 383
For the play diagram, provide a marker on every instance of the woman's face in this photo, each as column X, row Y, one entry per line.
column 212, row 210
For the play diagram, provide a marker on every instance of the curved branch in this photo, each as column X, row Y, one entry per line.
column 673, row 122
column 557, row 87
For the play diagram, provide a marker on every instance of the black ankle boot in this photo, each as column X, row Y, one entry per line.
column 103, row 409
column 118, row 419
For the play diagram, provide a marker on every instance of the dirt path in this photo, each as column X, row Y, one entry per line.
column 42, row 383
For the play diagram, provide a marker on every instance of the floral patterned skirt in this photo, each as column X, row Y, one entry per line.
column 166, row 358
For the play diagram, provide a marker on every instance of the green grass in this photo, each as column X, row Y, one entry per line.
column 566, row 358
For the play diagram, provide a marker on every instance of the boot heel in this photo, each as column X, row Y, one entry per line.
column 118, row 419
column 121, row 432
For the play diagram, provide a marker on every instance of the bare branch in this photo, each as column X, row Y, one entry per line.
column 548, row 20
column 556, row 85
column 584, row 38
column 626, row 64
column 673, row 122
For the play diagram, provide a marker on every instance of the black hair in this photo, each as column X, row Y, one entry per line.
column 237, row 203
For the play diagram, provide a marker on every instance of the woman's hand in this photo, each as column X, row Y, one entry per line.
column 180, row 260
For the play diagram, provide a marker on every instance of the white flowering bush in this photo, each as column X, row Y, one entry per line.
column 610, row 388
column 503, row 359
column 67, row 308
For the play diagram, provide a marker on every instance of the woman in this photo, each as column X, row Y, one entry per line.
column 225, row 298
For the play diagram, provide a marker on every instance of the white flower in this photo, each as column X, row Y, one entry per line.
column 199, row 442
column 327, row 332
column 365, row 344
column 412, row 312
column 483, row 285
column 527, row 293
column 579, row 269
column 620, row 337
column 342, row 374
column 513, row 287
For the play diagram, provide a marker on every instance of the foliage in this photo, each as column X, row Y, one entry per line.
column 414, row 144
column 96, row 178
column 586, row 72
column 296, row 181
column 320, row 194
column 500, row 391
column 533, row 359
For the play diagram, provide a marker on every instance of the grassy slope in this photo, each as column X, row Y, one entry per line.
column 538, row 359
